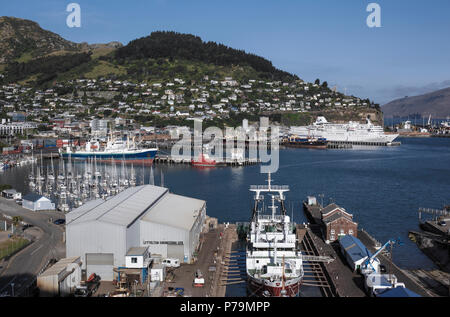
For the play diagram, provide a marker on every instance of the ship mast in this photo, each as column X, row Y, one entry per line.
column 283, row 278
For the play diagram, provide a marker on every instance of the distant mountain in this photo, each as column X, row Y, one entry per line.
column 436, row 103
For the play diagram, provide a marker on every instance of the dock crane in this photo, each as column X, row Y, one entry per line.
column 370, row 258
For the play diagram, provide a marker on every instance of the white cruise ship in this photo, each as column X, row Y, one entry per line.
column 348, row 132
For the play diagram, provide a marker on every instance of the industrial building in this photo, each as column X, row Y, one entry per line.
column 61, row 279
column 337, row 222
column 103, row 231
column 37, row 202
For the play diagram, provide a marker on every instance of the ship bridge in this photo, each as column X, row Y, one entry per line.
column 258, row 189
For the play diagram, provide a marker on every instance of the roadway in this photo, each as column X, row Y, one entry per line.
column 23, row 267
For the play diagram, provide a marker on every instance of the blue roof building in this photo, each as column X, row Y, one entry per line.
column 355, row 252
column 398, row 292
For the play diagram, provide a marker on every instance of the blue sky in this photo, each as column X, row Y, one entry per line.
column 326, row 39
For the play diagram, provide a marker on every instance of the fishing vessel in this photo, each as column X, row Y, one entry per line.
column 274, row 262
column 347, row 132
column 115, row 150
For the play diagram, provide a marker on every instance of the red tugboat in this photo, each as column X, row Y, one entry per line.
column 203, row 161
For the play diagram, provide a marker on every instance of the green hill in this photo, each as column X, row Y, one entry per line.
column 31, row 55
column 22, row 40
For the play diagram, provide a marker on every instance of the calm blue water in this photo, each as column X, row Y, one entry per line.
column 382, row 187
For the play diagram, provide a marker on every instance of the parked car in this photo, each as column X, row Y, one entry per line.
column 26, row 226
column 169, row 262
column 442, row 223
column 59, row 221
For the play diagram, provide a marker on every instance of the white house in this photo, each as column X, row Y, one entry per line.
column 37, row 202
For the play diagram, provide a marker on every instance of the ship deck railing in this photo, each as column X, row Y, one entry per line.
column 272, row 187
column 270, row 217
column 265, row 276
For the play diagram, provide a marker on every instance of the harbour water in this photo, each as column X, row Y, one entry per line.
column 383, row 187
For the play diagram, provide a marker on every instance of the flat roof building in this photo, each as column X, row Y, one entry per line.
column 103, row 231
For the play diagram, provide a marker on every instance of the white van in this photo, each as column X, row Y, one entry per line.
column 171, row 262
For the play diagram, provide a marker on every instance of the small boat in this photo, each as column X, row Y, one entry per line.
column 204, row 161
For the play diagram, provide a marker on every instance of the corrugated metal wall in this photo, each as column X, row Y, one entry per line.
column 101, row 264
column 158, row 232
column 96, row 237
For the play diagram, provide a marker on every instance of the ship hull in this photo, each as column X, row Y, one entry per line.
column 265, row 288
column 307, row 145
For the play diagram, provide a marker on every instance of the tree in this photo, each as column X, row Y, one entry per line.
column 325, row 84
column 317, row 82
column 16, row 220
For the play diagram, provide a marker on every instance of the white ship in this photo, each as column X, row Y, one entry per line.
column 274, row 263
column 348, row 132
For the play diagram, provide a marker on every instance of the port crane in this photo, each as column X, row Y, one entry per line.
column 370, row 258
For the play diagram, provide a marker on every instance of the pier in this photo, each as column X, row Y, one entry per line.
column 217, row 261
column 169, row 160
column 338, row 274
column 316, row 274
column 351, row 144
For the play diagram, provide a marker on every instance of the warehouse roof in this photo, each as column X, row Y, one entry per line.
column 329, row 208
column 336, row 216
column 121, row 209
column 175, row 211
column 354, row 248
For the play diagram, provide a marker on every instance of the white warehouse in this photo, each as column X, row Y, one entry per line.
column 102, row 231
